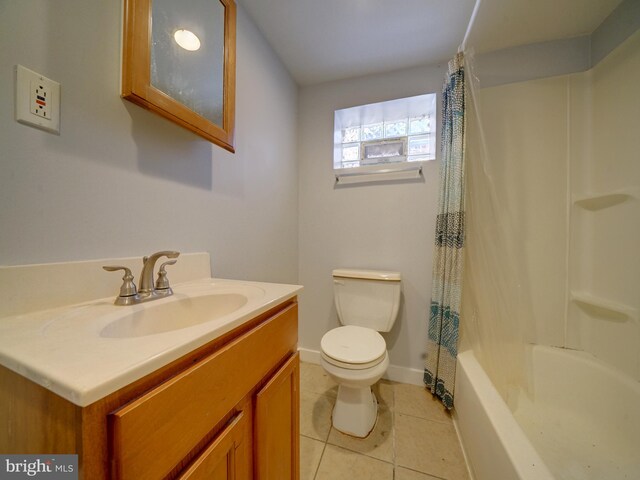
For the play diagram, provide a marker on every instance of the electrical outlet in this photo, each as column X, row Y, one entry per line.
column 37, row 100
column 38, row 103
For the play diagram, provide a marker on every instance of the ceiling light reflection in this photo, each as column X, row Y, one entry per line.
column 187, row 40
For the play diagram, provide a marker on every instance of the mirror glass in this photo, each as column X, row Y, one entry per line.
column 192, row 73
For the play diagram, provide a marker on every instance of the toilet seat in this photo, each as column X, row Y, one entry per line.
column 353, row 347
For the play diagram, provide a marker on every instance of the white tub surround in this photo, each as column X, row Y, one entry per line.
column 580, row 420
column 558, row 266
column 582, row 416
column 82, row 353
column 494, row 444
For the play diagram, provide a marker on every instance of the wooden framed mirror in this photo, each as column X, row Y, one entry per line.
column 179, row 60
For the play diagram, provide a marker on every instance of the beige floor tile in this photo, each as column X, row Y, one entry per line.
column 429, row 447
column 340, row 464
column 405, row 474
column 310, row 454
column 313, row 378
column 379, row 443
column 418, row 402
column 315, row 415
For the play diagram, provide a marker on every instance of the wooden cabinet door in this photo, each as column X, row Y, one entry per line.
column 277, row 425
column 227, row 457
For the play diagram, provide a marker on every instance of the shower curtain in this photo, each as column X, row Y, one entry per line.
column 442, row 342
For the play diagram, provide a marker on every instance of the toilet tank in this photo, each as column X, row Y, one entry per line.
column 367, row 298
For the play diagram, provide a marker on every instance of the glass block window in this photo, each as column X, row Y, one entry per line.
column 350, row 152
column 395, row 131
column 396, row 128
column 372, row 132
column 419, row 144
column 351, row 134
column 420, row 124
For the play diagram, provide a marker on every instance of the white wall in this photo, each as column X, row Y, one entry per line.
column 120, row 181
column 386, row 226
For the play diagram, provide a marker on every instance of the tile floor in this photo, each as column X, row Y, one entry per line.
column 414, row 438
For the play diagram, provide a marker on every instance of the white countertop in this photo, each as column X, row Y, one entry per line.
column 62, row 349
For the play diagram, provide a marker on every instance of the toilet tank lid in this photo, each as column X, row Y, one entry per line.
column 367, row 274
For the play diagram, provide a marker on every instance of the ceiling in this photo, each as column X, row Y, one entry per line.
column 323, row 40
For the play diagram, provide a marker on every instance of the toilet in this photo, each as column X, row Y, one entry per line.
column 355, row 355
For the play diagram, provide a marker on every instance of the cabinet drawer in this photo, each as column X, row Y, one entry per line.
column 152, row 434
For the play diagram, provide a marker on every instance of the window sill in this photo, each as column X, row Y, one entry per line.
column 378, row 173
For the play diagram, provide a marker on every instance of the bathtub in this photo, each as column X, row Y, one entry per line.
column 580, row 421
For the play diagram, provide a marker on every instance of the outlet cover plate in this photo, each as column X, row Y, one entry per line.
column 29, row 87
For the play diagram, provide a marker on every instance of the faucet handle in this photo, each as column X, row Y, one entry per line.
column 128, row 288
column 162, row 283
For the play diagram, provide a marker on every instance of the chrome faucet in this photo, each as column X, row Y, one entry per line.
column 148, row 264
column 130, row 295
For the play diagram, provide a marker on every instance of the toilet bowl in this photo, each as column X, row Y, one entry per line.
column 355, row 355
column 359, row 365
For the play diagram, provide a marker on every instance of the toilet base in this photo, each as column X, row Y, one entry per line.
column 356, row 411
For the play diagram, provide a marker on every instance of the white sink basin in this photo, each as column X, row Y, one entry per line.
column 86, row 351
column 203, row 304
column 174, row 315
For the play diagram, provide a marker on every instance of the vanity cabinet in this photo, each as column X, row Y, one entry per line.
column 228, row 410
column 226, row 457
column 277, row 428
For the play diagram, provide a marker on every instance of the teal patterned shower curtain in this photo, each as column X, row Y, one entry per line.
column 444, row 318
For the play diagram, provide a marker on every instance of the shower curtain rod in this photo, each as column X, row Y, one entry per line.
column 472, row 20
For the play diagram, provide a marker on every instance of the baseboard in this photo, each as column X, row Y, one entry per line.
column 309, row 356
column 408, row 375
column 394, row 373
